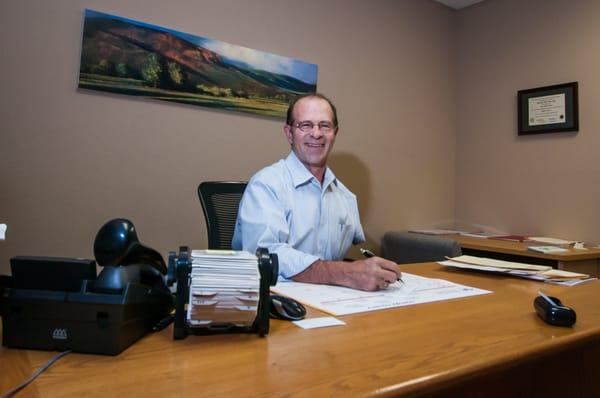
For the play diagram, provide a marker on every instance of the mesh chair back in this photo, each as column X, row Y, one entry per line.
column 220, row 202
column 407, row 247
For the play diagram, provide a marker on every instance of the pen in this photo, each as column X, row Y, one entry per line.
column 368, row 254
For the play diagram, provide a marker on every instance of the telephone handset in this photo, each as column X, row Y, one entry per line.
column 125, row 260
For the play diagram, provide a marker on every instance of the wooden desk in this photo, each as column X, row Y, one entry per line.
column 584, row 261
column 486, row 346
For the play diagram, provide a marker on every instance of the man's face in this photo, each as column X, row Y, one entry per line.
column 312, row 147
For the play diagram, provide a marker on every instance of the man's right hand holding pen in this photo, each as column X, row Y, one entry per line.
column 369, row 254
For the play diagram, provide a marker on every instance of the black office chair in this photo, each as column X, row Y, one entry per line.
column 220, row 202
column 408, row 247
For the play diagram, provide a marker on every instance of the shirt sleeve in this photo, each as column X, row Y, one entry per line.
column 262, row 222
column 359, row 235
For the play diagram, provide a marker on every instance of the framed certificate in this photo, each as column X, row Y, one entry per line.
column 549, row 109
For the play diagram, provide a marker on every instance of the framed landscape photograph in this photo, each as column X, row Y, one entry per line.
column 123, row 56
column 549, row 109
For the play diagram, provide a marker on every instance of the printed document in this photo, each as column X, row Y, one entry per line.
column 337, row 300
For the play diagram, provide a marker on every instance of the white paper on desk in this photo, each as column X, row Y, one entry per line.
column 555, row 275
column 490, row 262
column 457, row 264
column 321, row 322
column 573, row 282
column 483, row 235
column 434, row 231
column 337, row 300
column 551, row 241
column 2, row 231
column 547, row 249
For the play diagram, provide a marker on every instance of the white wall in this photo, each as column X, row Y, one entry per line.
column 547, row 184
column 72, row 159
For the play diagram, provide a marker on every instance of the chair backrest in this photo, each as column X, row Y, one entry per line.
column 407, row 247
column 220, row 202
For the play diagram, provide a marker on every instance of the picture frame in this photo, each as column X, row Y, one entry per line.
column 548, row 109
column 128, row 57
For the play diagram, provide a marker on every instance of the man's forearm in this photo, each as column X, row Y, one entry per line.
column 324, row 272
column 370, row 274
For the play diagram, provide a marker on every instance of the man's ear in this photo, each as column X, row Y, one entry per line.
column 289, row 134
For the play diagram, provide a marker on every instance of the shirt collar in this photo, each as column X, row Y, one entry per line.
column 301, row 175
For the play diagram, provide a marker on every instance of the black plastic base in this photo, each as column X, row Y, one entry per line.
column 85, row 322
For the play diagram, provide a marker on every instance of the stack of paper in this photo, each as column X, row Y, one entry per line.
column 547, row 249
column 224, row 288
column 434, row 231
column 530, row 271
column 551, row 241
column 511, row 238
column 482, row 234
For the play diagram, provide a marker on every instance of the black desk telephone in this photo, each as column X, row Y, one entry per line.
column 52, row 303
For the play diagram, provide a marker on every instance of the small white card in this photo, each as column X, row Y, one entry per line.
column 321, row 322
column 2, row 231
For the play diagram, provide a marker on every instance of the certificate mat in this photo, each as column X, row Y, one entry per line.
column 337, row 300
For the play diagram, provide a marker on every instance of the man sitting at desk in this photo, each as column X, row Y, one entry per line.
column 298, row 209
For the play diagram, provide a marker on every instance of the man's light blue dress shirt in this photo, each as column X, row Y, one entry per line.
column 287, row 211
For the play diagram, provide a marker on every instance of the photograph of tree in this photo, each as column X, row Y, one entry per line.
column 123, row 56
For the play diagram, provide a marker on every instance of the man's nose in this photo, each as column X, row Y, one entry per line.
column 316, row 132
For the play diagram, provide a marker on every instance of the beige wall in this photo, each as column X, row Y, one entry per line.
column 70, row 159
column 547, row 184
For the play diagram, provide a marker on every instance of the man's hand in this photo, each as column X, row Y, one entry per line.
column 370, row 274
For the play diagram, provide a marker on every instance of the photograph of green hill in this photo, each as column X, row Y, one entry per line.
column 123, row 56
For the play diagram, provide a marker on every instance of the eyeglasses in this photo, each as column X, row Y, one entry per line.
column 306, row 126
